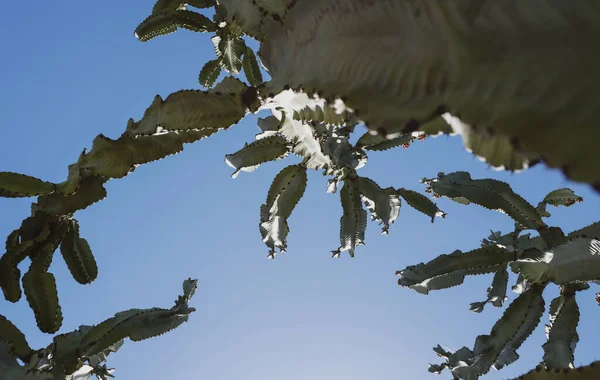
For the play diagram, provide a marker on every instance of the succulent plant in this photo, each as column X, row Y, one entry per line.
column 570, row 261
column 407, row 70
column 79, row 354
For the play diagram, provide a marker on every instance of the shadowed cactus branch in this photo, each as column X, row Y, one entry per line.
column 422, row 68
column 285, row 192
column 559, row 350
column 587, row 372
column 494, row 89
column 14, row 185
column 489, row 193
column 184, row 117
column 450, row 270
column 79, row 354
column 353, row 223
column 570, row 261
column 421, row 203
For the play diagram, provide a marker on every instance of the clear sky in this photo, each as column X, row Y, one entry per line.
column 73, row 70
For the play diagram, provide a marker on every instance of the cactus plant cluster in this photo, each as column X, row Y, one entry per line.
column 570, row 261
column 318, row 93
column 80, row 354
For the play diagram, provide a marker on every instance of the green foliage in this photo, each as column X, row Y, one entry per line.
column 78, row 256
column 559, row 350
column 510, row 110
column 14, row 338
column 42, row 296
column 488, row 193
column 173, row 5
column 577, row 259
column 10, row 275
column 380, row 143
column 285, row 192
column 167, row 22
column 383, row 204
column 353, row 223
column 421, row 203
column 450, row 270
column 588, row 372
column 13, row 185
column 496, row 293
column 252, row 155
column 251, row 69
column 82, row 353
column 210, row 73
column 230, row 48
column 550, row 258
column 316, row 100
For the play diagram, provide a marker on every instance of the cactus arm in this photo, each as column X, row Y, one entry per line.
column 42, row 296
column 588, row 372
column 15, row 340
column 78, row 256
column 370, row 141
column 383, row 204
column 576, row 260
column 593, row 230
column 488, row 193
column 166, row 22
column 450, row 270
column 353, row 223
column 496, row 293
column 305, row 144
column 562, row 197
column 14, row 185
column 420, row 55
column 421, row 203
column 252, row 155
column 559, row 350
column 285, row 192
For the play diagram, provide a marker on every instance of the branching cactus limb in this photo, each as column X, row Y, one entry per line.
column 285, row 192
column 559, row 350
column 424, row 97
column 567, row 260
column 496, row 293
column 491, row 93
column 493, row 87
column 576, row 260
column 588, row 372
column 183, row 117
column 488, row 193
column 498, row 349
column 353, row 223
column 82, row 353
column 450, row 270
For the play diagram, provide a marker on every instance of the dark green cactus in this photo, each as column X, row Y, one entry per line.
column 285, row 192
column 570, row 261
column 588, row 372
column 78, row 255
column 83, row 352
column 405, row 96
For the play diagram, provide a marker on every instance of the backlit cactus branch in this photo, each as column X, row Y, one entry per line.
column 587, row 372
column 407, row 70
column 79, row 354
column 570, row 261
column 184, row 117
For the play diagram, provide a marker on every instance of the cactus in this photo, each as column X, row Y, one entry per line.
column 588, row 372
column 454, row 83
column 569, row 261
column 82, row 353
column 494, row 89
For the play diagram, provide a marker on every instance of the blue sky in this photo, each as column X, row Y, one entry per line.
column 72, row 72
